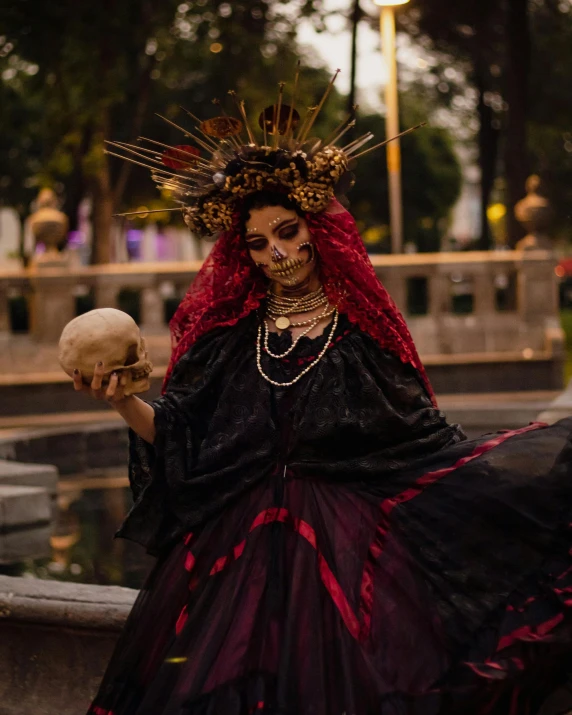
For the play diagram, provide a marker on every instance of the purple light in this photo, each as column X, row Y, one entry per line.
column 133, row 241
column 76, row 238
column 162, row 244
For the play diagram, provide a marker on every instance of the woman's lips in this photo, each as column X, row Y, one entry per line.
column 286, row 267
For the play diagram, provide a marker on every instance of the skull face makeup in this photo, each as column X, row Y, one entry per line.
column 110, row 336
column 279, row 242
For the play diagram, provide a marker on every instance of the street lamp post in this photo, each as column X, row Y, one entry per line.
column 387, row 29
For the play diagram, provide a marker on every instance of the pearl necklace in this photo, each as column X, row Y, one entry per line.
column 306, row 369
column 311, row 323
column 327, row 312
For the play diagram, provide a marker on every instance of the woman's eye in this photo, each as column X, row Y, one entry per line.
column 289, row 232
column 256, row 245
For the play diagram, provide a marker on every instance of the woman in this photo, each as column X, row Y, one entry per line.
column 327, row 543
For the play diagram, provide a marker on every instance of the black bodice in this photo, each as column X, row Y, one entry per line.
column 221, row 428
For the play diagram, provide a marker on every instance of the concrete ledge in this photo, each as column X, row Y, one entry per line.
column 498, row 376
column 29, row 543
column 71, row 449
column 55, row 642
column 74, row 605
column 23, row 507
column 27, row 506
column 560, row 408
column 29, row 475
column 53, row 397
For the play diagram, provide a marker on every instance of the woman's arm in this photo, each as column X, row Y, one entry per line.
column 138, row 415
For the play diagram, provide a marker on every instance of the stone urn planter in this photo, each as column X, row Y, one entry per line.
column 535, row 214
column 49, row 227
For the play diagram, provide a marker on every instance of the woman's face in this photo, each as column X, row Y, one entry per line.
column 279, row 242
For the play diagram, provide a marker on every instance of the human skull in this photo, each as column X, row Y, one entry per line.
column 112, row 337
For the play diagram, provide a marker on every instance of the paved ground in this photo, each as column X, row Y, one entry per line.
column 478, row 413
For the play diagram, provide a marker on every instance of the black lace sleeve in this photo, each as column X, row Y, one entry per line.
column 151, row 521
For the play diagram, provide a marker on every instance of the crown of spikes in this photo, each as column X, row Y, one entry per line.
column 208, row 179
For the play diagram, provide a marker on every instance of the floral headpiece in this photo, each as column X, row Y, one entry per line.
column 311, row 172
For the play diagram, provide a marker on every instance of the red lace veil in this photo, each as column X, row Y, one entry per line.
column 229, row 286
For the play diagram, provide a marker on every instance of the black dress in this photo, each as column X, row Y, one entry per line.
column 337, row 548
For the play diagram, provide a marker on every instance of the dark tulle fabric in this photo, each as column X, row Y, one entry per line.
column 336, row 548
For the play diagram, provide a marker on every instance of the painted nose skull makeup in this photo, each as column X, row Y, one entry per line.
column 276, row 254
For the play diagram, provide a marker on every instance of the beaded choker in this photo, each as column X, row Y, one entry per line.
column 279, row 307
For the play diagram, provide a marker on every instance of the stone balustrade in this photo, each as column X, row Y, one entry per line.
column 52, row 292
column 55, row 642
column 477, row 303
column 461, row 307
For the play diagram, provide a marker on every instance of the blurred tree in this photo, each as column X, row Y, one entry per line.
column 84, row 73
column 431, row 183
column 92, row 68
column 550, row 132
column 356, row 15
column 21, row 120
column 512, row 52
column 470, row 34
column 76, row 74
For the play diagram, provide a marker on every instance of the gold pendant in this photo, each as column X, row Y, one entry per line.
column 282, row 323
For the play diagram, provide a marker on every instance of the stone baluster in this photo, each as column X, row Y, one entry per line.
column 395, row 284
column 483, row 291
column 537, row 288
column 5, row 328
column 152, row 310
column 106, row 294
column 53, row 305
column 439, row 293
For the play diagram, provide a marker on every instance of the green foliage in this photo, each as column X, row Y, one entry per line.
column 21, row 151
column 473, row 36
column 93, row 71
column 103, row 70
column 431, row 179
column 550, row 129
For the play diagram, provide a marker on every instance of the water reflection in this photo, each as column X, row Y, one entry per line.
column 89, row 512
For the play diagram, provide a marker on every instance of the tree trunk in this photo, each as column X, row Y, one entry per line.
column 76, row 184
column 143, row 96
column 518, row 66
column 354, row 22
column 103, row 207
column 355, row 17
column 488, row 149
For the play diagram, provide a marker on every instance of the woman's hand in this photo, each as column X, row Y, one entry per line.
column 138, row 415
column 113, row 393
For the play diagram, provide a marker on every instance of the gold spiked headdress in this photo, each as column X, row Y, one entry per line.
column 309, row 171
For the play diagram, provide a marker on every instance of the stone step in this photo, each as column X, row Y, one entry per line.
column 22, row 507
column 561, row 407
column 29, row 475
column 55, row 642
column 33, row 543
column 72, row 449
